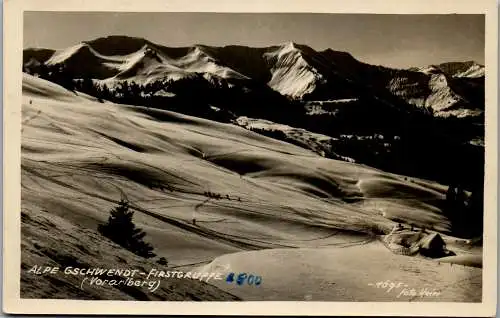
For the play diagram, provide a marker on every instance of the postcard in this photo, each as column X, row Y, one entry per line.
column 259, row 158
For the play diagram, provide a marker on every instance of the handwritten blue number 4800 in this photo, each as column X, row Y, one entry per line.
column 242, row 278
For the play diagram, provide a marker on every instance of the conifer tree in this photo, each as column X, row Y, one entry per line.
column 121, row 230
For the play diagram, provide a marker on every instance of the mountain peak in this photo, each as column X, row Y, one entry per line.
column 294, row 46
column 199, row 52
column 288, row 47
column 289, row 44
column 149, row 49
column 81, row 50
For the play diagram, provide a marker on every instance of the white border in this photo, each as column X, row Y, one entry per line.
column 13, row 31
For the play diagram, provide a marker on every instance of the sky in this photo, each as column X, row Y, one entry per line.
column 399, row 41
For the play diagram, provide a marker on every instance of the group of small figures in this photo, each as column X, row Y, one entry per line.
column 218, row 196
column 161, row 187
column 400, row 227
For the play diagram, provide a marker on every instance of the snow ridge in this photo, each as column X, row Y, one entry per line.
column 291, row 74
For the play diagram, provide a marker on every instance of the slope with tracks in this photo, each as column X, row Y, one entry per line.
column 245, row 191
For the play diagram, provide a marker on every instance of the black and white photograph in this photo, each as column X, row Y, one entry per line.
column 253, row 156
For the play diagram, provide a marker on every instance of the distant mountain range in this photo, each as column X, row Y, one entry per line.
column 293, row 70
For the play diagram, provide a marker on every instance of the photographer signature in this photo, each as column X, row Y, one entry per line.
column 404, row 290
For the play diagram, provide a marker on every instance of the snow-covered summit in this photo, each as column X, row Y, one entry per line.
column 292, row 75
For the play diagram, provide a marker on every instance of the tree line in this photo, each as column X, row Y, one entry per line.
column 193, row 94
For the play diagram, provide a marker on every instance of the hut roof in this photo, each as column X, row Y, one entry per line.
column 432, row 241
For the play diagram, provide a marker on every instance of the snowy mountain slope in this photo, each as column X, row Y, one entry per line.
column 81, row 50
column 468, row 69
column 456, row 88
column 411, row 88
column 146, row 65
column 441, row 96
column 291, row 74
column 198, row 61
column 474, row 71
column 221, row 158
column 318, row 143
column 431, row 69
column 83, row 61
column 431, row 88
column 80, row 156
column 333, row 270
column 149, row 65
